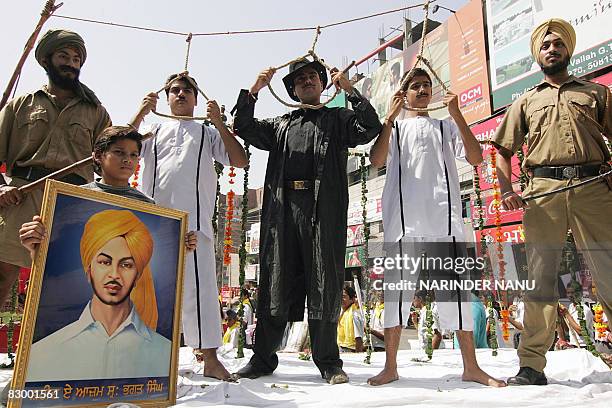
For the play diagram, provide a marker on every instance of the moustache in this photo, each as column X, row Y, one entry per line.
column 68, row 68
column 114, row 283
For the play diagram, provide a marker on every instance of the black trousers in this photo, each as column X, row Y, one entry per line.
column 297, row 262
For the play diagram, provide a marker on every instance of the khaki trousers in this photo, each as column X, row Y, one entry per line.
column 587, row 211
column 11, row 219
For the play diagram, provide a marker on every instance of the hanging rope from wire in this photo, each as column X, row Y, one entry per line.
column 311, row 52
column 420, row 59
column 183, row 76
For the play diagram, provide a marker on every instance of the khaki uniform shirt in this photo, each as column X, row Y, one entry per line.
column 565, row 124
column 35, row 132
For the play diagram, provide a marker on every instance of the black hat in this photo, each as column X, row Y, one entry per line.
column 297, row 66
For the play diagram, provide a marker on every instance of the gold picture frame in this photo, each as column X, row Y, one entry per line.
column 124, row 366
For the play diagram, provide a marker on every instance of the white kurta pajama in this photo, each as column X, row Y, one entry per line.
column 421, row 203
column 178, row 172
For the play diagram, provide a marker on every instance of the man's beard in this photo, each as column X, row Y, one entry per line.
column 62, row 82
column 113, row 302
column 557, row 67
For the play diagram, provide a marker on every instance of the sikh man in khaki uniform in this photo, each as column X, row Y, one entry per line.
column 42, row 132
column 567, row 119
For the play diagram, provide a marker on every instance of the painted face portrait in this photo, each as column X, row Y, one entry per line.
column 116, row 248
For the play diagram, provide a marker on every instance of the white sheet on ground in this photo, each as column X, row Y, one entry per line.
column 575, row 377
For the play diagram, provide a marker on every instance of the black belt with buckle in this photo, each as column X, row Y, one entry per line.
column 298, row 184
column 33, row 173
column 568, row 172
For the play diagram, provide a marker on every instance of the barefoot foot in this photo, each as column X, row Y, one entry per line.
column 386, row 376
column 214, row 369
column 479, row 376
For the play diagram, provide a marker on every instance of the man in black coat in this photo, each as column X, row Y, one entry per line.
column 303, row 223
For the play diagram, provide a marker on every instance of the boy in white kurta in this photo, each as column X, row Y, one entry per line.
column 422, row 205
column 178, row 172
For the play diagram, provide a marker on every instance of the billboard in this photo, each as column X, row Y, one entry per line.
column 509, row 27
column 379, row 86
column 456, row 50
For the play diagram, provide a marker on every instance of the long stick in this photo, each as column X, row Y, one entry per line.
column 40, row 183
column 56, row 174
column 49, row 9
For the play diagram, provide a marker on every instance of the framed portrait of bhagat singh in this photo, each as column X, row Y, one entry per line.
column 102, row 315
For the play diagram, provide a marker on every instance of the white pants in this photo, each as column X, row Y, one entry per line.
column 201, row 317
column 454, row 315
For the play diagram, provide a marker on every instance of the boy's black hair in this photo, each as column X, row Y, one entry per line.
column 112, row 135
column 415, row 73
column 172, row 78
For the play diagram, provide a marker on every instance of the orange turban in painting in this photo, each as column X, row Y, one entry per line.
column 557, row 26
column 106, row 225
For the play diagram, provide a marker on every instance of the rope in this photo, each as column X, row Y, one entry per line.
column 188, row 48
column 315, row 57
column 421, row 59
column 183, row 75
column 218, row 33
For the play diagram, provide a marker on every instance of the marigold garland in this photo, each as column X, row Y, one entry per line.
column 229, row 216
column 499, row 239
column 135, row 178
column 483, row 252
column 601, row 327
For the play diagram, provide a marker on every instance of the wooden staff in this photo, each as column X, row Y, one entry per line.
column 49, row 9
column 344, row 71
column 40, row 183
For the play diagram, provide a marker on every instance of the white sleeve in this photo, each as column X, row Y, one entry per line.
column 393, row 142
column 217, row 147
column 358, row 324
column 456, row 140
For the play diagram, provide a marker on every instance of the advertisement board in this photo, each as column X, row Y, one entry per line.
column 509, row 27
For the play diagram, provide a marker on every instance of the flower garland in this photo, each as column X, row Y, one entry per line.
column 242, row 253
column 366, row 273
column 429, row 325
column 11, row 325
column 570, row 266
column 520, row 154
column 499, row 239
column 215, row 224
column 601, row 327
column 135, row 177
column 229, row 216
column 483, row 250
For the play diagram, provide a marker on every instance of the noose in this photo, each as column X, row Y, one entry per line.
column 183, row 75
column 242, row 251
column 421, row 59
column 311, row 52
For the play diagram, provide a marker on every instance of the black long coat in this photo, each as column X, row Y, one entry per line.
column 337, row 129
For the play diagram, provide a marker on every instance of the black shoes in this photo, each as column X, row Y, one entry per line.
column 250, row 371
column 528, row 376
column 335, row 375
